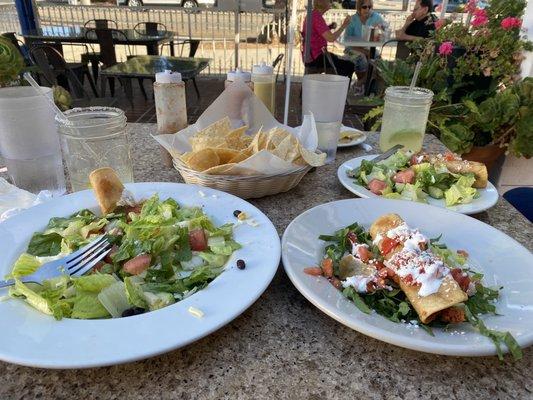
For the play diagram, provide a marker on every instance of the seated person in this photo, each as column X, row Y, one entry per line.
column 364, row 16
column 419, row 24
column 320, row 36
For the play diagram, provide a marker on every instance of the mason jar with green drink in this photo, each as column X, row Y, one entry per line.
column 405, row 116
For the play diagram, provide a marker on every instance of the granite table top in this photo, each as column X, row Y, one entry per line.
column 283, row 347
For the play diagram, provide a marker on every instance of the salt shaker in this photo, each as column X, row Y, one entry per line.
column 170, row 105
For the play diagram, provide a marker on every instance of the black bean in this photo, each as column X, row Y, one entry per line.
column 241, row 264
column 138, row 310
column 128, row 313
column 236, row 213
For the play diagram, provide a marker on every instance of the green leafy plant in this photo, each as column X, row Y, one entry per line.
column 11, row 62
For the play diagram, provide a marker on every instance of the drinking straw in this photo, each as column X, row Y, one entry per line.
column 61, row 115
column 415, row 76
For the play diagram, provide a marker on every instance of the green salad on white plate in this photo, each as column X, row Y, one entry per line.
column 418, row 177
column 162, row 253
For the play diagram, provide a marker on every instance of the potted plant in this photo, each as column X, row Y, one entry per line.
column 473, row 69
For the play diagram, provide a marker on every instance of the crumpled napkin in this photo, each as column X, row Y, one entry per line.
column 14, row 200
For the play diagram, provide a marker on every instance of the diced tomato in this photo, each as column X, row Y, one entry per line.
column 387, row 245
column 352, row 237
column 315, row 271
column 327, row 267
column 414, row 159
column 98, row 266
column 379, row 265
column 448, row 156
column 109, row 257
column 364, row 254
column 376, row 186
column 138, row 264
column 408, row 279
column 407, row 176
column 462, row 279
column 336, row 283
column 197, row 240
column 462, row 253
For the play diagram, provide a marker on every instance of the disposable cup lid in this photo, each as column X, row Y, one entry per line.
column 168, row 76
column 262, row 69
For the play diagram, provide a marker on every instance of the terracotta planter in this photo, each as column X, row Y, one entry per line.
column 487, row 155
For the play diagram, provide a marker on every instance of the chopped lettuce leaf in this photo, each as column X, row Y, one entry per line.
column 159, row 300
column 413, row 192
column 397, row 161
column 134, row 293
column 45, row 244
column 26, row 264
column 88, row 306
column 93, row 282
column 32, row 297
column 462, row 191
column 114, row 299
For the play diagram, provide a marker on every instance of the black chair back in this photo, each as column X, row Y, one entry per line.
column 149, row 28
column 101, row 24
column 106, row 40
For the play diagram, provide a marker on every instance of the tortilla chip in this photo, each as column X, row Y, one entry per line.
column 258, row 142
column 225, row 154
column 203, row 159
column 219, row 169
column 203, row 142
column 312, row 158
column 274, row 137
column 243, row 155
column 107, row 188
column 219, row 128
column 287, row 149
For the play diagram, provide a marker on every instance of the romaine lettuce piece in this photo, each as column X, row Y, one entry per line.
column 461, row 192
column 26, row 264
column 159, row 300
column 134, row 293
column 413, row 192
column 397, row 161
column 45, row 244
column 31, row 296
column 114, row 299
column 88, row 306
column 94, row 282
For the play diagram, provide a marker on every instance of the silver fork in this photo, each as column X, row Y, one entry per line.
column 75, row 264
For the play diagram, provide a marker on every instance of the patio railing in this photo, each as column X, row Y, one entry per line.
column 261, row 35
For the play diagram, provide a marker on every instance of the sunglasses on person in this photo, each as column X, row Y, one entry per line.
column 366, row 7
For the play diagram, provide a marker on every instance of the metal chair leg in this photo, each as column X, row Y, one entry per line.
column 91, row 82
column 196, row 87
column 141, row 86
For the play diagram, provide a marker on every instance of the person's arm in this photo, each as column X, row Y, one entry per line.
column 332, row 36
column 401, row 35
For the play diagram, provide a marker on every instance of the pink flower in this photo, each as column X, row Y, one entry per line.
column 480, row 18
column 471, row 6
column 440, row 23
column 446, row 48
column 510, row 23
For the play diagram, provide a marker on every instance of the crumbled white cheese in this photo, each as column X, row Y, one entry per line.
column 202, row 194
column 196, row 312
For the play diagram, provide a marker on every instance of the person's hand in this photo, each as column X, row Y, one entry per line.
column 410, row 18
column 346, row 21
column 399, row 34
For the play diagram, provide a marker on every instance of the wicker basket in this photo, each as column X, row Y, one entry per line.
column 246, row 187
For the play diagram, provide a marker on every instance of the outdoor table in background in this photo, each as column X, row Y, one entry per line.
column 145, row 67
column 76, row 34
column 283, row 347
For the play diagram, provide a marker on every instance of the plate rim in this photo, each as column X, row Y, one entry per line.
column 269, row 267
column 366, row 194
column 484, row 349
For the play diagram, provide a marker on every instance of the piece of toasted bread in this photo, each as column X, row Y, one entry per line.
column 107, row 188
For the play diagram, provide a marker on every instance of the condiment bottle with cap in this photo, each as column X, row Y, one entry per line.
column 239, row 75
column 264, row 82
column 170, row 103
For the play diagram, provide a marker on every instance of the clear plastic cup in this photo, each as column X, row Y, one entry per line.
column 405, row 117
column 29, row 141
column 95, row 138
column 324, row 96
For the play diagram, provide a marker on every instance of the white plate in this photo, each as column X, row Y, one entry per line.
column 503, row 261
column 355, row 141
column 31, row 338
column 488, row 197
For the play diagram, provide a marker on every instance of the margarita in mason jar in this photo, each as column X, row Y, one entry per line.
column 405, row 116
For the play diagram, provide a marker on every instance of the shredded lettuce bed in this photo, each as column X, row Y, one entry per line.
column 161, row 229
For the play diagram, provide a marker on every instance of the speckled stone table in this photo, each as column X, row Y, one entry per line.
column 282, row 347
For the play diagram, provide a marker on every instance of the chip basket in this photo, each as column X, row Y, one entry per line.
column 246, row 186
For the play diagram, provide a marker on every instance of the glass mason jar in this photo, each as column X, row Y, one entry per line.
column 95, row 137
column 405, row 116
